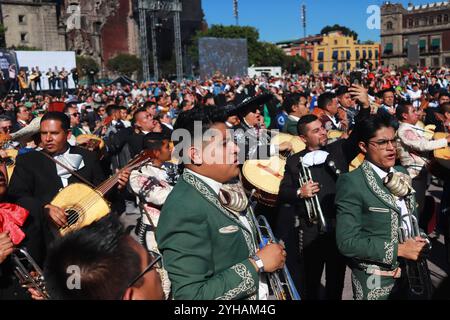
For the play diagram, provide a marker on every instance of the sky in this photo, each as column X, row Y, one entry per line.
column 279, row 20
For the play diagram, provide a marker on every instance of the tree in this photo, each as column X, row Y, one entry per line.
column 230, row 32
column 2, row 35
column 296, row 65
column 24, row 48
column 87, row 65
column 345, row 31
column 124, row 64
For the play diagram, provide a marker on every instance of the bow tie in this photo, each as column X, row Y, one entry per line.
column 233, row 198
column 12, row 217
column 315, row 158
column 73, row 161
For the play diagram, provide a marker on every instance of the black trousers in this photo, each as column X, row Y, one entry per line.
column 319, row 250
column 420, row 185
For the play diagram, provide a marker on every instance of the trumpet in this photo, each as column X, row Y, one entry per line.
column 280, row 281
column 28, row 272
column 313, row 208
column 418, row 274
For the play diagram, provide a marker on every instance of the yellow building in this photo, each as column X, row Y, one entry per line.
column 337, row 52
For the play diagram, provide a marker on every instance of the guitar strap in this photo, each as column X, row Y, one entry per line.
column 68, row 169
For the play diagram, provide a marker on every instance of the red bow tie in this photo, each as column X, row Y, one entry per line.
column 12, row 217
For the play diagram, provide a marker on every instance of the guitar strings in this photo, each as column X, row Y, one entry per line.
column 105, row 186
column 91, row 200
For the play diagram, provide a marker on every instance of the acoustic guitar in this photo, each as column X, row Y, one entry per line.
column 84, row 205
column 440, row 163
column 265, row 176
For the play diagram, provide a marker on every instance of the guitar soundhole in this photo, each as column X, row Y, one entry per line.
column 72, row 217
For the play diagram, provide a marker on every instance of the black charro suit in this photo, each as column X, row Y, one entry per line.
column 315, row 248
column 35, row 176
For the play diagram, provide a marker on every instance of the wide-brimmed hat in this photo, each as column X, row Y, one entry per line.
column 250, row 104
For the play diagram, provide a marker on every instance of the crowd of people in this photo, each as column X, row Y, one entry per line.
column 194, row 236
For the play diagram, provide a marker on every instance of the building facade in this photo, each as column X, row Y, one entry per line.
column 417, row 35
column 100, row 29
column 32, row 23
column 341, row 53
column 333, row 52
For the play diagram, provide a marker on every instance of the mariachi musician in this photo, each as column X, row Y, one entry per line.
column 311, row 244
column 64, row 79
column 376, row 227
column 254, row 142
column 44, row 184
column 414, row 150
column 209, row 247
column 51, row 77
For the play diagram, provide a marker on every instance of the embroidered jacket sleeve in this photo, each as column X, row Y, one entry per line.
column 359, row 234
column 147, row 184
column 187, row 244
column 411, row 139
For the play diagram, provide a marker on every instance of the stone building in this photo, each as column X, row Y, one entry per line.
column 100, row 29
column 417, row 35
column 32, row 23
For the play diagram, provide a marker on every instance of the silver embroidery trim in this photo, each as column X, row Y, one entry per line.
column 388, row 246
column 376, row 294
column 374, row 185
column 247, row 283
column 358, row 292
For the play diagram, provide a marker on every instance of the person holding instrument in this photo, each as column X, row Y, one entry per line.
column 40, row 177
column 210, row 252
column 369, row 217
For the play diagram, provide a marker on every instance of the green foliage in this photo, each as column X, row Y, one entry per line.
column 2, row 35
column 84, row 64
column 124, row 64
column 345, row 31
column 25, row 48
column 296, row 65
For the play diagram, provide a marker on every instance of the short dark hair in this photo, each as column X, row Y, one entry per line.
column 325, row 99
column 154, row 140
column 111, row 109
column 368, row 127
column 445, row 107
column 5, row 117
column 401, row 109
column 289, row 101
column 58, row 116
column 444, row 94
column 140, row 110
column 149, row 104
column 206, row 116
column 303, row 122
column 103, row 254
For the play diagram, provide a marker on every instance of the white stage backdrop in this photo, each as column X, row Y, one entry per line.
column 45, row 60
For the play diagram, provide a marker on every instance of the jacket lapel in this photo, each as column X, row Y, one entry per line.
column 211, row 197
column 376, row 186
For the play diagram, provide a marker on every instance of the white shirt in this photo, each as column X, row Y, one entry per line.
column 263, row 290
column 405, row 221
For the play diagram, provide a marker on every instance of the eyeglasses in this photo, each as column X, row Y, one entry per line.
column 156, row 262
column 76, row 114
column 382, row 144
column 4, row 129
